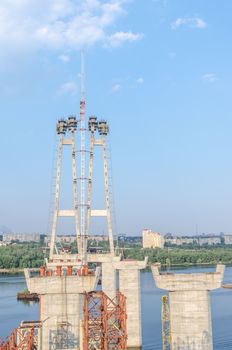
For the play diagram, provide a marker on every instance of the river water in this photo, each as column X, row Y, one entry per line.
column 13, row 312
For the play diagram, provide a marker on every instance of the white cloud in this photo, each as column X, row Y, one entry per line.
column 126, row 83
column 209, row 78
column 68, row 88
column 140, row 80
column 60, row 24
column 192, row 22
column 116, row 87
column 119, row 38
column 64, row 58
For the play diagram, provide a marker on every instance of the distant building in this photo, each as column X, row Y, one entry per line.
column 228, row 239
column 198, row 240
column 66, row 239
column 210, row 240
column 21, row 237
column 69, row 239
column 99, row 238
column 178, row 240
column 152, row 239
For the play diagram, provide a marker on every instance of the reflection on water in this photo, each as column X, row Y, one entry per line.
column 12, row 312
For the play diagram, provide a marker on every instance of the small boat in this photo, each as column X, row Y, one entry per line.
column 27, row 296
column 228, row 286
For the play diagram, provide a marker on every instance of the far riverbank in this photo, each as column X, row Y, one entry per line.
column 10, row 271
column 14, row 271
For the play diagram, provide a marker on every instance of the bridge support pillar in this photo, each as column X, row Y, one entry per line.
column 129, row 285
column 61, row 307
column 190, row 311
column 109, row 279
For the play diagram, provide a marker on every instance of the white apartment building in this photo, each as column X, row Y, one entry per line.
column 152, row 239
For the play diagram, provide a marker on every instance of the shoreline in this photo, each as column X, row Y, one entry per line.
column 14, row 271
column 196, row 264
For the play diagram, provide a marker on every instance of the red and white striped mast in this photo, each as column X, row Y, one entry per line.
column 82, row 151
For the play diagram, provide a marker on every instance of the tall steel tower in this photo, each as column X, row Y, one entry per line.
column 66, row 130
column 103, row 129
column 83, row 233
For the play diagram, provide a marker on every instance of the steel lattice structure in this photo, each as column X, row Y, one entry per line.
column 25, row 337
column 83, row 234
column 104, row 322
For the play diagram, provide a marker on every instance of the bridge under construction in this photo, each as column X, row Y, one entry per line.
column 74, row 312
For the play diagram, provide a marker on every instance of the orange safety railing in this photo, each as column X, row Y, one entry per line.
column 66, row 271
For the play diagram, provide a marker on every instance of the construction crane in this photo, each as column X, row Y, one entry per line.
column 166, row 328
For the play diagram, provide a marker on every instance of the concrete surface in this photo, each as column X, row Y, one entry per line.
column 190, row 309
column 61, row 307
column 129, row 285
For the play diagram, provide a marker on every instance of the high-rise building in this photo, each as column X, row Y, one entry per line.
column 152, row 239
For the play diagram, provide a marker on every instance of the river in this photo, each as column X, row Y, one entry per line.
column 13, row 312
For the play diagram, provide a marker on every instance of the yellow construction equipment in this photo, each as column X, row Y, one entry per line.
column 166, row 328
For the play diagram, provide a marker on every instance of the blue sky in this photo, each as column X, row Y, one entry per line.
column 159, row 71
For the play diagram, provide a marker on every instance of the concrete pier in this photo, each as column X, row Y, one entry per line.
column 109, row 276
column 129, row 285
column 61, row 307
column 190, row 310
column 109, row 279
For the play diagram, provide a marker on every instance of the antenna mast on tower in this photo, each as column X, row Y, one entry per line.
column 82, row 151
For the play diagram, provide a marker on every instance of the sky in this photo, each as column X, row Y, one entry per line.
column 158, row 71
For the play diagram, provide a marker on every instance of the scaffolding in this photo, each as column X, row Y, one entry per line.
column 166, row 329
column 25, row 337
column 104, row 322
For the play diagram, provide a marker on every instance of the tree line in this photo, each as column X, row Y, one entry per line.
column 177, row 256
column 31, row 255
column 20, row 256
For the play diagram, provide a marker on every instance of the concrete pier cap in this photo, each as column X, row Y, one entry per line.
column 131, row 264
column 61, row 306
column 108, row 278
column 190, row 281
column 190, row 309
column 55, row 284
